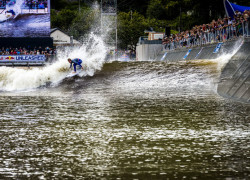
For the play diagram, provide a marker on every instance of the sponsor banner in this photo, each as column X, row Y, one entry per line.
column 199, row 53
column 216, row 50
column 164, row 56
column 187, row 54
column 23, row 58
column 124, row 57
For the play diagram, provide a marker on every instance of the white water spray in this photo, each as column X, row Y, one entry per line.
column 17, row 7
column 92, row 53
column 225, row 57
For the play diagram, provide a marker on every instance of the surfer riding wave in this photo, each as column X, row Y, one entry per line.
column 7, row 15
column 75, row 62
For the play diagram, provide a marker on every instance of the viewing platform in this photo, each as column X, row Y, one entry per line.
column 151, row 49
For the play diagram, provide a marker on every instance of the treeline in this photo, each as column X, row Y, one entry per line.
column 73, row 18
column 78, row 17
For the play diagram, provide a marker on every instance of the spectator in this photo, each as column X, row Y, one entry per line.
column 28, row 51
column 41, row 6
column 220, row 30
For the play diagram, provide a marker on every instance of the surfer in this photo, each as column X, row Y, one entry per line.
column 75, row 62
column 11, row 12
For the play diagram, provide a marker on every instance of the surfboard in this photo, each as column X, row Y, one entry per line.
column 72, row 74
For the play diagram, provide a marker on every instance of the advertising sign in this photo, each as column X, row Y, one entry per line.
column 216, row 50
column 22, row 58
column 22, row 18
column 124, row 57
column 187, row 54
column 164, row 56
column 199, row 53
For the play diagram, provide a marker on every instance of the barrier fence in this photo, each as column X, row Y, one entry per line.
column 210, row 36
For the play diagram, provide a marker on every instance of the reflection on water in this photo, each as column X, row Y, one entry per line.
column 129, row 121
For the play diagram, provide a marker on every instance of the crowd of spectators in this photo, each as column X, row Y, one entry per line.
column 36, row 4
column 27, row 51
column 27, row 4
column 217, row 31
column 4, row 2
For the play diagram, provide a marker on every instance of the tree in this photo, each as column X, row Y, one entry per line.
column 62, row 19
column 156, row 10
column 130, row 28
column 152, row 13
column 85, row 21
column 139, row 6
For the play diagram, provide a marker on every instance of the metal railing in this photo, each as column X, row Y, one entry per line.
column 223, row 34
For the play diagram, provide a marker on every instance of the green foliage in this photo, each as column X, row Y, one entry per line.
column 66, row 4
column 173, row 31
column 139, row 6
column 130, row 28
column 88, row 19
column 59, row 4
column 156, row 10
column 73, row 22
column 178, row 14
column 62, row 19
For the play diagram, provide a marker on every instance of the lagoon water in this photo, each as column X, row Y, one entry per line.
column 130, row 120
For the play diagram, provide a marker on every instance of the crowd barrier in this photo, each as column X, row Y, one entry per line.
column 209, row 51
column 216, row 36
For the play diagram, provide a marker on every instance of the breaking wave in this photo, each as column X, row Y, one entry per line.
column 92, row 53
column 123, row 76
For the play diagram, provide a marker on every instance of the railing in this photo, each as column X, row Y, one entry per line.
column 144, row 40
column 208, row 37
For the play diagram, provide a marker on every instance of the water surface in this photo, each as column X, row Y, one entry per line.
column 133, row 120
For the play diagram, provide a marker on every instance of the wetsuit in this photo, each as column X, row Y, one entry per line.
column 12, row 12
column 76, row 62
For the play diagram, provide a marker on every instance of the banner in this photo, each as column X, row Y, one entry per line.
column 198, row 53
column 216, row 50
column 231, row 8
column 164, row 56
column 22, row 58
column 124, row 57
column 187, row 54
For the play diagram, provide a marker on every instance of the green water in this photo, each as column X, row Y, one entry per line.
column 144, row 120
